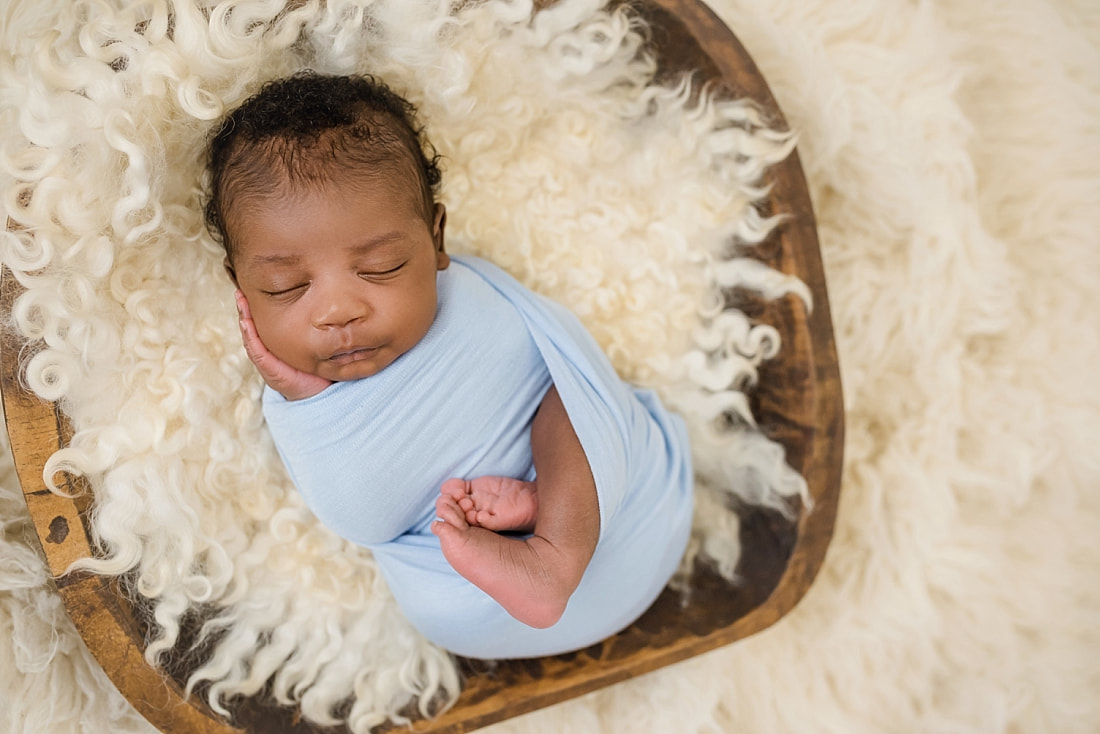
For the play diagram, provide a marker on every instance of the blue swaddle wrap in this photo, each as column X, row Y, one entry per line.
column 369, row 457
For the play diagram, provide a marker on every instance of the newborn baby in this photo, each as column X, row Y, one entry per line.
column 519, row 498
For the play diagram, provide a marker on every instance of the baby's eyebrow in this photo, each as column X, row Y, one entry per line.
column 260, row 260
column 367, row 245
column 359, row 248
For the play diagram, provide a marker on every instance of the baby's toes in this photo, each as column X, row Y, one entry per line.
column 455, row 488
column 486, row 519
column 449, row 511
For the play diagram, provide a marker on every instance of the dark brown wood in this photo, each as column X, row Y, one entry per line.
column 798, row 402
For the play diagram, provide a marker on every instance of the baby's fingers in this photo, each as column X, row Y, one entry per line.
column 252, row 344
column 243, row 309
column 266, row 362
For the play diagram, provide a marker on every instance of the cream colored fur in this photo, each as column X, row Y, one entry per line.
column 951, row 152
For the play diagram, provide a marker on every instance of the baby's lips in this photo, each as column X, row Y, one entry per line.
column 349, row 354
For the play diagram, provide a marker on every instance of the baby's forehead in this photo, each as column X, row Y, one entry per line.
column 289, row 219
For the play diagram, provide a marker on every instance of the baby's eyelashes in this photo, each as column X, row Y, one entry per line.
column 285, row 293
column 380, row 274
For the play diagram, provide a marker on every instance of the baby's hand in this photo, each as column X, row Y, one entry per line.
column 291, row 383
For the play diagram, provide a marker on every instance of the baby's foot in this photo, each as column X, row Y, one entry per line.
column 519, row 574
column 495, row 503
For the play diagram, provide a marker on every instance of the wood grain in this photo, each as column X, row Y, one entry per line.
column 798, row 402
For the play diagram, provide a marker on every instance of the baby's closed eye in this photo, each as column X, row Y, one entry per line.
column 285, row 293
column 380, row 273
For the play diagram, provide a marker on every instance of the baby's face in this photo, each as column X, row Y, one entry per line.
column 340, row 283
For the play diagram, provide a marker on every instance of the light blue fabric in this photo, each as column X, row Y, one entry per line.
column 369, row 457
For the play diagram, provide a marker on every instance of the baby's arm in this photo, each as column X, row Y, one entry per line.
column 533, row 578
column 568, row 513
column 289, row 382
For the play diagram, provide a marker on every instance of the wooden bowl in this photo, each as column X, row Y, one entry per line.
column 798, row 402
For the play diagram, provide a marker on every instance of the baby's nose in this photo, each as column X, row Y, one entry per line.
column 340, row 309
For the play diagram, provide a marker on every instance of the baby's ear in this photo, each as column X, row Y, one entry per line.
column 442, row 259
column 230, row 271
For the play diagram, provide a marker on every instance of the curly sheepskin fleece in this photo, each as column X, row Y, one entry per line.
column 566, row 164
column 952, row 153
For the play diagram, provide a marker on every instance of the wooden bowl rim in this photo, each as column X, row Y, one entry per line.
column 106, row 621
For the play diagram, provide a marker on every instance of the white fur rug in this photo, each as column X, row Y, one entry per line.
column 952, row 152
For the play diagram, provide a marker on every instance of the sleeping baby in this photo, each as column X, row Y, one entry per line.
column 519, row 498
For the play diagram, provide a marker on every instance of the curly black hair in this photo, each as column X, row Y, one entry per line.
column 312, row 129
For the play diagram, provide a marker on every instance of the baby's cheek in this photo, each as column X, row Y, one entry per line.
column 285, row 340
